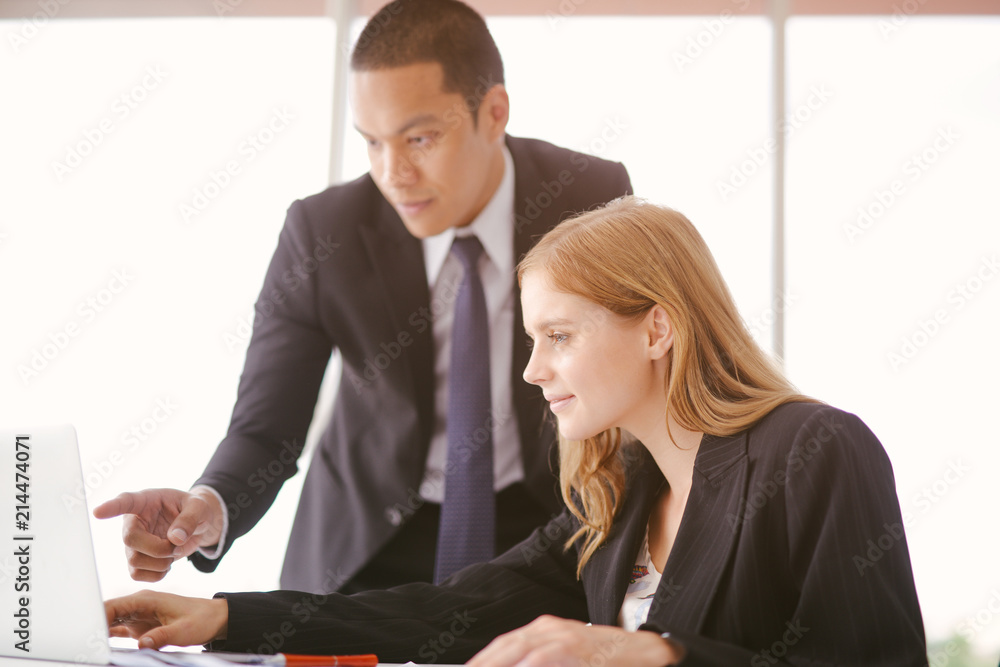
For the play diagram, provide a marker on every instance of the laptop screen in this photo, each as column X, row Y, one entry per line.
column 49, row 593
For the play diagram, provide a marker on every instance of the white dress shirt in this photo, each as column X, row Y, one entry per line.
column 494, row 227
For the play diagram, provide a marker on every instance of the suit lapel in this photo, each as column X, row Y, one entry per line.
column 705, row 540
column 607, row 574
column 703, row 547
column 397, row 259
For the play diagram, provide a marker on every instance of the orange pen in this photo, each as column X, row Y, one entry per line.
column 363, row 660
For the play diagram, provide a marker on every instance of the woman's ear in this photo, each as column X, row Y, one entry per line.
column 661, row 332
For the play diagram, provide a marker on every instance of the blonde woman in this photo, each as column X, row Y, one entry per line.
column 715, row 516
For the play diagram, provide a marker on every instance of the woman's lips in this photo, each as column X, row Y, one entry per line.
column 560, row 403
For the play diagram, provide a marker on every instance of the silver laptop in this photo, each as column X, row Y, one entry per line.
column 49, row 594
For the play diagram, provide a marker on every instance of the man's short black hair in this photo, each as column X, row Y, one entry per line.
column 407, row 32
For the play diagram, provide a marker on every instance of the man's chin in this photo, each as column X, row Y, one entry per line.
column 424, row 228
column 423, row 231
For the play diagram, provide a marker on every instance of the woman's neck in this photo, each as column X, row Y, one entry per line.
column 674, row 451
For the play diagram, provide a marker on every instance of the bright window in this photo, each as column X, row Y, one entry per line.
column 146, row 169
column 893, row 245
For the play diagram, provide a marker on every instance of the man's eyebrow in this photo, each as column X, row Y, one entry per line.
column 416, row 120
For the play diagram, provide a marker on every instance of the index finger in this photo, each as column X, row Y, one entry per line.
column 124, row 503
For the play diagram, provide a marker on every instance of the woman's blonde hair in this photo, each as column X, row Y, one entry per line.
column 628, row 257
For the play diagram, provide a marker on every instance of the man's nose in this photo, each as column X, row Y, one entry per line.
column 398, row 169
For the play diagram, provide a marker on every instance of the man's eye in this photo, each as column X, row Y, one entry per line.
column 558, row 338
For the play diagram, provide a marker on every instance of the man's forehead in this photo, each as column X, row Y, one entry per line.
column 427, row 77
column 400, row 98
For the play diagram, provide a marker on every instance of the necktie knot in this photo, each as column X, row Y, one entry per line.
column 467, row 250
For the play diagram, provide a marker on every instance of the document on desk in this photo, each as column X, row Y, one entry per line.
column 150, row 658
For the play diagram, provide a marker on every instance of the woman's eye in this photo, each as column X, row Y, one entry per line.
column 558, row 338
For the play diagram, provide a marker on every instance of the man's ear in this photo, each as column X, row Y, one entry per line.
column 494, row 112
column 661, row 332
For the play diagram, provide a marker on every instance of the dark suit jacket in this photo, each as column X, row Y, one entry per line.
column 791, row 551
column 348, row 275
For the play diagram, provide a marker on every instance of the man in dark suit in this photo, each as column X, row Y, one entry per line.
column 365, row 268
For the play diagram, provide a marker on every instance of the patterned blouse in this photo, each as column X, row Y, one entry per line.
column 641, row 588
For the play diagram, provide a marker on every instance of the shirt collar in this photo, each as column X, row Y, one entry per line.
column 492, row 226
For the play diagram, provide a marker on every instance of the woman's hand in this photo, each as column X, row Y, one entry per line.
column 556, row 641
column 159, row 619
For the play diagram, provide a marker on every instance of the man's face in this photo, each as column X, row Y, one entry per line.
column 435, row 166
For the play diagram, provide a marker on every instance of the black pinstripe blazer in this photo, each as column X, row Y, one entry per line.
column 791, row 551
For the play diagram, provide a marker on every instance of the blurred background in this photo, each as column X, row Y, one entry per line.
column 839, row 158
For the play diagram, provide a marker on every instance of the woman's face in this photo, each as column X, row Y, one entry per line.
column 596, row 369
